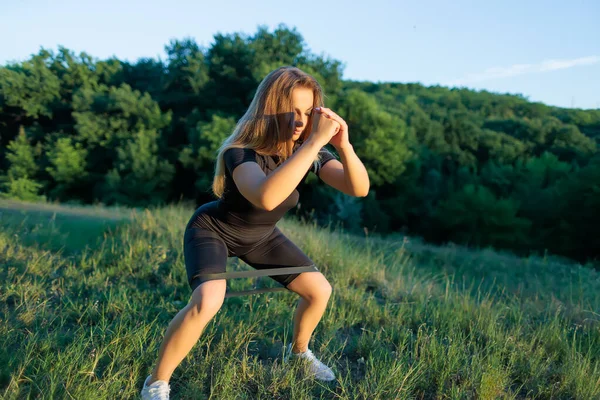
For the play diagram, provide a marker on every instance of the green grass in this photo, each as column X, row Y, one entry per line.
column 86, row 295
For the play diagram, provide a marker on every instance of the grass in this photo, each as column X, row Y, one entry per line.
column 86, row 294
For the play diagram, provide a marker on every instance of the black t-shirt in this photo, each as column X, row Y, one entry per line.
column 238, row 222
column 234, row 202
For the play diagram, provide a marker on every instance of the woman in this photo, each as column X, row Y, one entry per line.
column 258, row 170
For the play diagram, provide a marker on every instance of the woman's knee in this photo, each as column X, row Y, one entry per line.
column 319, row 293
column 208, row 297
column 325, row 289
column 312, row 286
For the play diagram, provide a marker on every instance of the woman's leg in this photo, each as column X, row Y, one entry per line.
column 314, row 291
column 204, row 253
column 187, row 326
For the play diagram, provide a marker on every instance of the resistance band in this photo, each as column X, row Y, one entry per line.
column 255, row 274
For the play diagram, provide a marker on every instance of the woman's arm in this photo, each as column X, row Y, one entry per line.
column 349, row 176
column 267, row 192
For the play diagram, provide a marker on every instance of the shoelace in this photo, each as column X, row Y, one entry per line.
column 308, row 354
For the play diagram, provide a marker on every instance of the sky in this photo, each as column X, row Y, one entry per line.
column 545, row 50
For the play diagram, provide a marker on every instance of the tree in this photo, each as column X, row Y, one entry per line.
column 232, row 81
column 205, row 139
column 139, row 176
column 19, row 181
column 31, row 87
column 68, row 166
column 272, row 50
column 381, row 140
column 576, row 233
column 107, row 120
column 474, row 216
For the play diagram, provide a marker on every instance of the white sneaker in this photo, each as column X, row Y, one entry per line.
column 319, row 370
column 159, row 390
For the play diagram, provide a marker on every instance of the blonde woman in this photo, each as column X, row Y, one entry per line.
column 259, row 169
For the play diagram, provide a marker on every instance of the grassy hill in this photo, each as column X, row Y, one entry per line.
column 86, row 294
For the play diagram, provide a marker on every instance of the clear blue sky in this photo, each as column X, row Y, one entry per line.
column 547, row 50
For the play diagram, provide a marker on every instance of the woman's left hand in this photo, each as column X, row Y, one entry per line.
column 341, row 139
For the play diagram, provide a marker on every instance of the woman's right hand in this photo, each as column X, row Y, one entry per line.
column 323, row 128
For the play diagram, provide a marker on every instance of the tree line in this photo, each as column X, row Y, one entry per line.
column 446, row 164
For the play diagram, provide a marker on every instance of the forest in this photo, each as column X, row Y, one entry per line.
column 446, row 164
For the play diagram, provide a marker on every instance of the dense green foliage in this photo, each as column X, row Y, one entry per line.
column 86, row 294
column 445, row 164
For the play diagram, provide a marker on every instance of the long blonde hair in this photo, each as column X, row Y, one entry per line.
column 268, row 124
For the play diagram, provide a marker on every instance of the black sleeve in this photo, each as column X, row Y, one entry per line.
column 325, row 156
column 236, row 156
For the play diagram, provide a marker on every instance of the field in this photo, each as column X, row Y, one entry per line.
column 87, row 292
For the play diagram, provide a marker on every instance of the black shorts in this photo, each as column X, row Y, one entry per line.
column 205, row 252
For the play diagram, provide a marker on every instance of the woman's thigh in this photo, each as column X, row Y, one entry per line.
column 204, row 253
column 277, row 252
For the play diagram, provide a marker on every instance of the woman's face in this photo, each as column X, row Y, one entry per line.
column 303, row 104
